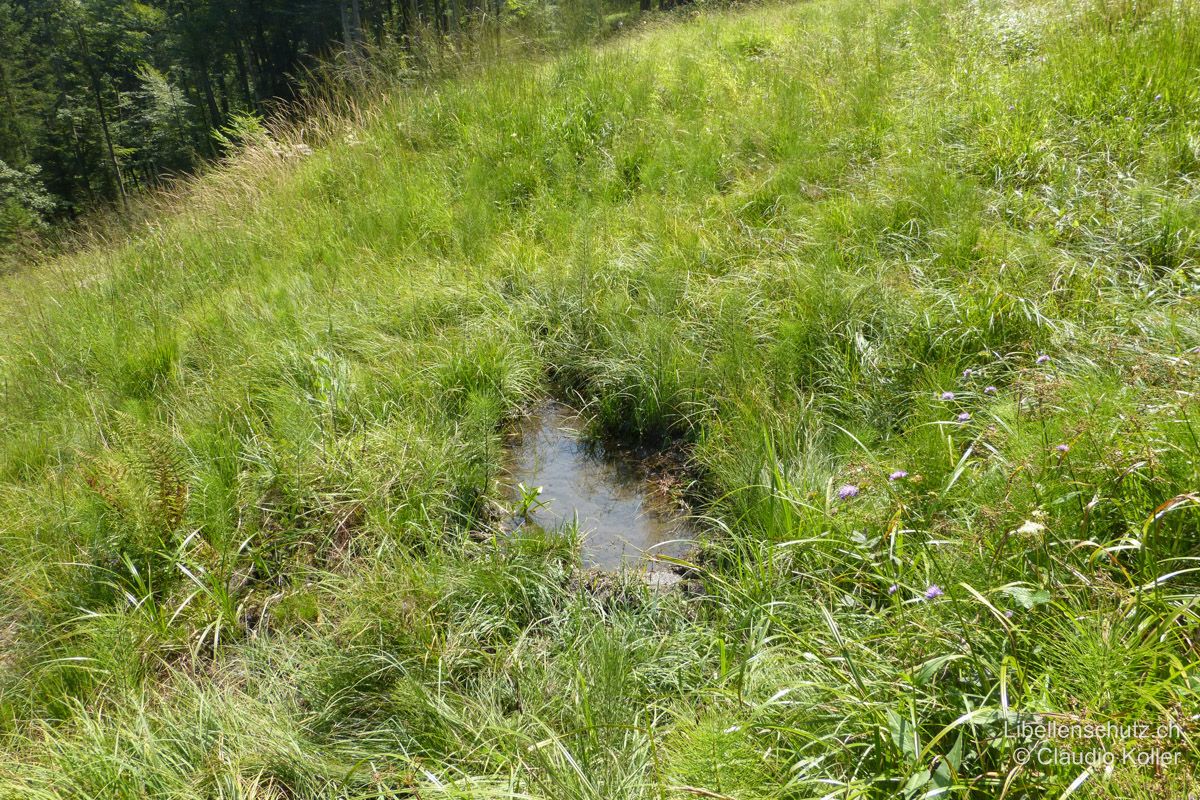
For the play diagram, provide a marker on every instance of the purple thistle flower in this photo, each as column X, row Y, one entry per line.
column 1008, row 614
column 968, row 373
column 893, row 589
column 1157, row 97
column 1062, row 448
column 898, row 475
column 933, row 591
column 964, row 417
column 847, row 491
column 947, row 395
column 989, row 390
column 1042, row 359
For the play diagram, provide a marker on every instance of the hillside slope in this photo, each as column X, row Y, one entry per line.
column 911, row 283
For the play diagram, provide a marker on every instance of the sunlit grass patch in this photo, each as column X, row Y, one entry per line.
column 906, row 290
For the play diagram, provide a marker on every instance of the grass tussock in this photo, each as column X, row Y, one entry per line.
column 912, row 283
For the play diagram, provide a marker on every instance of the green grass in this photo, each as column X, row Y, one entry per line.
column 249, row 456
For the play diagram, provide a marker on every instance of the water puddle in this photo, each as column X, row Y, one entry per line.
column 622, row 519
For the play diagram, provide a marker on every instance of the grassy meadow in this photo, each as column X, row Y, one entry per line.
column 910, row 286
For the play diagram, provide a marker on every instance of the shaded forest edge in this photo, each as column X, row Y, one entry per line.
column 103, row 100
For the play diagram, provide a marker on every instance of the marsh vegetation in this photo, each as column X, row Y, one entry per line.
column 911, row 284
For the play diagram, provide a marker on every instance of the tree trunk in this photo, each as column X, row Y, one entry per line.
column 384, row 14
column 356, row 23
column 223, row 94
column 351, row 29
column 81, row 171
column 193, row 96
column 210, row 101
column 12, row 112
column 102, row 110
column 439, row 12
column 243, row 74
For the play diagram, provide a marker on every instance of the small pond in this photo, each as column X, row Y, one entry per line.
column 623, row 519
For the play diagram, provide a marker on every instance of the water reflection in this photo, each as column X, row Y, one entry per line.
column 621, row 520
